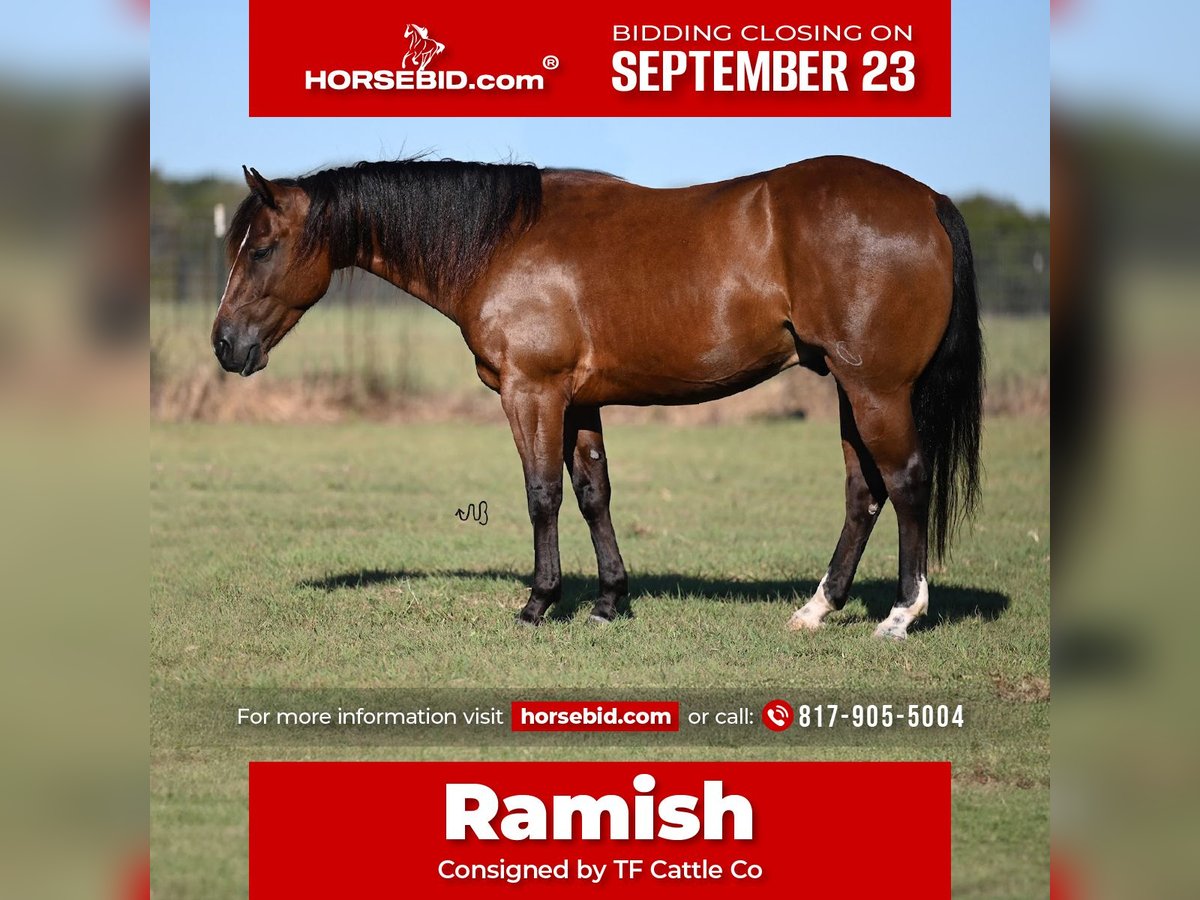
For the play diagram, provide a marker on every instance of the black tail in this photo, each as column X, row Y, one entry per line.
column 948, row 398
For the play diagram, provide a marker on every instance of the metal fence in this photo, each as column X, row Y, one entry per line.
column 187, row 265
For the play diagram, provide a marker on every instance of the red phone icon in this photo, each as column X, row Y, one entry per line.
column 777, row 715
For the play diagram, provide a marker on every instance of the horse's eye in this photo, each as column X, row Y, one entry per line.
column 261, row 253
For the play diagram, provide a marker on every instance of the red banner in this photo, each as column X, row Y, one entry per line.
column 699, row 58
column 568, row 829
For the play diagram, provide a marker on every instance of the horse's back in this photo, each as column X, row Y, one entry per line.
column 681, row 288
column 644, row 295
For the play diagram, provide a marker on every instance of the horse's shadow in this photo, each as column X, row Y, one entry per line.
column 949, row 603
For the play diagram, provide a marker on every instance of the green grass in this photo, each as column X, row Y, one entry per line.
column 329, row 556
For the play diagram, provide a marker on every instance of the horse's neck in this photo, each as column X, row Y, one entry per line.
column 413, row 286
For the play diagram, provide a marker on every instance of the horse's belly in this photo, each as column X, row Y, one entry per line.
column 668, row 380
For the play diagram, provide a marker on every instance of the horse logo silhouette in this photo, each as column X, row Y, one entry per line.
column 421, row 47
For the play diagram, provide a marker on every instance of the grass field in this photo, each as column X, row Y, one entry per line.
column 329, row 556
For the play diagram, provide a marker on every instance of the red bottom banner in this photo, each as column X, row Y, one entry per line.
column 573, row 829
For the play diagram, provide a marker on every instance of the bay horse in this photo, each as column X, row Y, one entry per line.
column 577, row 290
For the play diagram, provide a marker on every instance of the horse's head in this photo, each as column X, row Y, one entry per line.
column 410, row 30
column 273, row 278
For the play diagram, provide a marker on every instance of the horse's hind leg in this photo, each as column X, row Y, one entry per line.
column 583, row 450
column 889, row 432
column 536, row 416
column 865, row 496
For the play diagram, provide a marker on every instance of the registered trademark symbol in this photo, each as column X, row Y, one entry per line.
column 550, row 62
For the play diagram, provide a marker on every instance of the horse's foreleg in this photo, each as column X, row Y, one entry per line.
column 865, row 496
column 536, row 416
column 890, row 434
column 583, row 450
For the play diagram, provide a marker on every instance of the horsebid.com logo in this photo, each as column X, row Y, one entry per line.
column 414, row 74
column 421, row 47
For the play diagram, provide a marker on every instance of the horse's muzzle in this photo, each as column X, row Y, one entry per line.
column 241, row 354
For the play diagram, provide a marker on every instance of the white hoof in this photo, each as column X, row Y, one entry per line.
column 811, row 616
column 805, row 619
column 895, row 626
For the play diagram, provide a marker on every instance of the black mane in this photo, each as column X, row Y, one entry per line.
column 439, row 221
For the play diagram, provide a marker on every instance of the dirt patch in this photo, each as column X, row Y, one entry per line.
column 1029, row 689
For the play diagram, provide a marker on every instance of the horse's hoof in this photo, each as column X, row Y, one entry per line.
column 800, row 621
column 608, row 612
column 892, row 629
column 602, row 614
column 529, row 620
column 901, row 618
column 811, row 616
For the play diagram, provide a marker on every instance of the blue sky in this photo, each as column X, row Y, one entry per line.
column 1133, row 58
column 95, row 43
column 996, row 141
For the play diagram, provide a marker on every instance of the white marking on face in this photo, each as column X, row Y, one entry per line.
column 594, row 454
column 873, row 508
column 233, row 269
column 812, row 614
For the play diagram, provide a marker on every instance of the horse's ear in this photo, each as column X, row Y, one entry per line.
column 267, row 192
